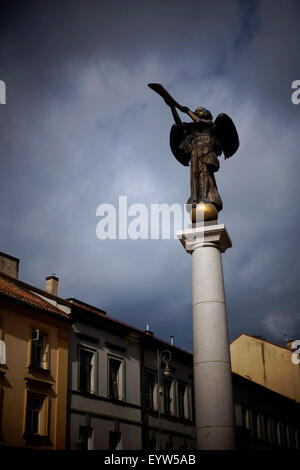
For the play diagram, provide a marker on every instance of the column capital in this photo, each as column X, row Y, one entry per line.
column 203, row 235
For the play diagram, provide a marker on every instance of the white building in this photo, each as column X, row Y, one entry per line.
column 118, row 399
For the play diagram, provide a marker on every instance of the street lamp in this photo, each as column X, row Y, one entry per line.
column 163, row 359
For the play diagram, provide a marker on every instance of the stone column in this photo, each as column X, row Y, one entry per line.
column 212, row 369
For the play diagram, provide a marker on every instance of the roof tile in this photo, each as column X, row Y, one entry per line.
column 10, row 289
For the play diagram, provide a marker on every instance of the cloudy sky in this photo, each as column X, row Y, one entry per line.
column 80, row 127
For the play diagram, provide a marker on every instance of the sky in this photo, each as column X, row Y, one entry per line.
column 80, row 127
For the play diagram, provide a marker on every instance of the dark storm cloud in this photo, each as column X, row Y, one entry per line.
column 80, row 128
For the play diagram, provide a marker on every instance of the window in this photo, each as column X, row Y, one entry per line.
column 249, row 419
column 284, row 434
column 150, row 388
column 261, row 427
column 151, row 444
column 2, row 345
column 115, row 440
column 85, row 435
column 238, row 415
column 167, row 384
column 281, row 434
column 297, row 436
column 272, row 433
column 116, row 380
column 1, row 402
column 36, row 414
column 182, row 408
column 291, row 441
column 39, row 350
column 87, row 370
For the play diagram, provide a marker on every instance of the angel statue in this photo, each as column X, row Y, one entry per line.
column 199, row 144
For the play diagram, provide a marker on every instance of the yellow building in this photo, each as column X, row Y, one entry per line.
column 267, row 364
column 34, row 336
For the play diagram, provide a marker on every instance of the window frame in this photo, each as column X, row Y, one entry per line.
column 120, row 440
column 88, row 444
column 297, row 437
column 291, row 436
column 185, row 398
column 42, row 365
column 43, row 430
column 122, row 378
column 153, row 374
column 238, row 414
column 93, row 382
column 152, row 444
column 272, row 431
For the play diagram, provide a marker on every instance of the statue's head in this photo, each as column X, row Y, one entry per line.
column 203, row 113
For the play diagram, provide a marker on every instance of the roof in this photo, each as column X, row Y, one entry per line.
column 21, row 292
column 28, row 295
column 145, row 334
column 5, row 255
column 260, row 339
column 85, row 306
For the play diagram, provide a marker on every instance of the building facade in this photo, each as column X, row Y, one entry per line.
column 130, row 390
column 73, row 377
column 265, row 420
column 34, row 335
column 120, row 394
column 267, row 364
column 267, row 393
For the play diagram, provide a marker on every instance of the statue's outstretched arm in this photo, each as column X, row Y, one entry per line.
column 176, row 116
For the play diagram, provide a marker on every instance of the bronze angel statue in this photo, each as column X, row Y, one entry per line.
column 199, row 144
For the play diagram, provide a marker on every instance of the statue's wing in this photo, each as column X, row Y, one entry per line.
column 226, row 134
column 177, row 136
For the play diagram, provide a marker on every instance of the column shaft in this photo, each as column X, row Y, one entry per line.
column 212, row 369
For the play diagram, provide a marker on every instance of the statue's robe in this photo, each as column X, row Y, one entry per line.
column 201, row 148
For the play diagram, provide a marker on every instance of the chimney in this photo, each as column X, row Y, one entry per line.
column 172, row 340
column 9, row 265
column 148, row 332
column 52, row 284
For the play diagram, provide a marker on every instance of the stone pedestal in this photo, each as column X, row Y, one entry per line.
column 212, row 369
